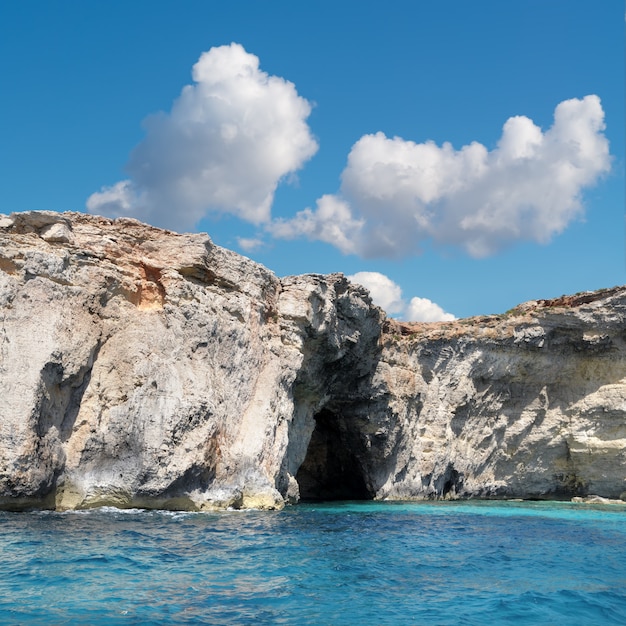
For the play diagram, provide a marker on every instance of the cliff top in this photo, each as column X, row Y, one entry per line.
column 145, row 250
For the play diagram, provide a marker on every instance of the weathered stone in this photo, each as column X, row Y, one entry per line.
column 527, row 405
column 143, row 368
column 56, row 233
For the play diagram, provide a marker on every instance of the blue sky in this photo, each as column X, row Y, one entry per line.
column 339, row 163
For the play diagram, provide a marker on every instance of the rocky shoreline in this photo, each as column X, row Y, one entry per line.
column 144, row 368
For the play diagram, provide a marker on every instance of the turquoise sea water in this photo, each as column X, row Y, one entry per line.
column 345, row 563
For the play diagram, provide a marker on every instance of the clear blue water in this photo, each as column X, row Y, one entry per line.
column 351, row 563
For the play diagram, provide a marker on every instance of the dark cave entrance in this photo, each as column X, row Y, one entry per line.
column 331, row 470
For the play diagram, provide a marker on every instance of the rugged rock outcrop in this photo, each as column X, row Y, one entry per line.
column 528, row 404
column 140, row 367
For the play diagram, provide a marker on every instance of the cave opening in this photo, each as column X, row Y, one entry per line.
column 331, row 470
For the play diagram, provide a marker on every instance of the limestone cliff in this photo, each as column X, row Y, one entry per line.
column 139, row 367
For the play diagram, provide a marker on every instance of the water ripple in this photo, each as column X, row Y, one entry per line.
column 382, row 563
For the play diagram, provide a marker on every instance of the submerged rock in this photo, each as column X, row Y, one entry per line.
column 144, row 368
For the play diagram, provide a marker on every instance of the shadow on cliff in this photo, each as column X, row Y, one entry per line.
column 331, row 470
column 337, row 434
column 59, row 396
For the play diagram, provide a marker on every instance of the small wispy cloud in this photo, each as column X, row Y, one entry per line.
column 224, row 147
column 395, row 194
column 388, row 296
column 250, row 244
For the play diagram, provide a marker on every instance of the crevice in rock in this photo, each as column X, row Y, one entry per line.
column 197, row 476
column 62, row 395
column 56, row 412
column 330, row 470
column 450, row 483
column 205, row 277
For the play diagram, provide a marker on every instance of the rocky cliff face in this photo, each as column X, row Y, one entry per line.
column 143, row 368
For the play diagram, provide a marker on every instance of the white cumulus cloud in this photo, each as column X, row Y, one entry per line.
column 388, row 295
column 384, row 292
column 396, row 193
column 425, row 310
column 226, row 143
column 332, row 222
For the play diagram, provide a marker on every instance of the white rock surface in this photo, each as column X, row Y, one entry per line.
column 530, row 404
column 139, row 367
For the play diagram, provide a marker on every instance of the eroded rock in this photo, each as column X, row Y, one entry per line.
column 143, row 368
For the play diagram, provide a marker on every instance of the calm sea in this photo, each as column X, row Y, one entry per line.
column 345, row 563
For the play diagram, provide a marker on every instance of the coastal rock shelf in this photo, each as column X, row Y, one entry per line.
column 144, row 368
